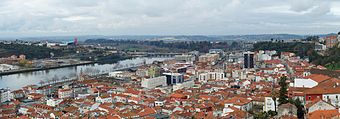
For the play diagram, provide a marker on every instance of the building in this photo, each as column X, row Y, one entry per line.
column 6, row 95
column 320, row 47
column 248, row 60
column 318, row 105
column 269, row 104
column 185, row 84
column 64, row 93
column 287, row 109
column 331, row 41
column 173, row 78
column 208, row 58
column 119, row 74
column 53, row 102
column 204, row 77
column 151, row 83
column 185, row 58
column 239, row 102
column 7, row 67
column 217, row 51
column 310, row 80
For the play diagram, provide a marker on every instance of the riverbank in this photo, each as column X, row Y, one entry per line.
column 45, row 68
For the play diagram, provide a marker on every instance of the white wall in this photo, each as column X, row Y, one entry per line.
column 269, row 104
column 333, row 98
column 154, row 82
column 320, row 106
column 307, row 83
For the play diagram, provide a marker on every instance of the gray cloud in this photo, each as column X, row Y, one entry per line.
column 116, row 17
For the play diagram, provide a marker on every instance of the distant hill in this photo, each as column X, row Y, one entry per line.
column 257, row 37
column 262, row 37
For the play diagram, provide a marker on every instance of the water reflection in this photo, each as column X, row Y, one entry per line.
column 16, row 81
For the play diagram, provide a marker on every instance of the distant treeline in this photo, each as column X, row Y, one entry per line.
column 202, row 46
column 30, row 51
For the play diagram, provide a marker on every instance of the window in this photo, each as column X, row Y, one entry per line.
column 309, row 97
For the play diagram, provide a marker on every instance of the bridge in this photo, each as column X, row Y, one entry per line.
column 153, row 54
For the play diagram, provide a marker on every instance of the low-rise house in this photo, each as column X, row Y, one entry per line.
column 287, row 109
column 239, row 102
column 318, row 104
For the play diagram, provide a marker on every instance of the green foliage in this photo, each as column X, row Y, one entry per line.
column 329, row 60
column 30, row 51
column 113, row 58
column 311, row 38
column 300, row 110
column 283, row 98
column 300, row 49
column 275, row 95
column 202, row 46
column 262, row 115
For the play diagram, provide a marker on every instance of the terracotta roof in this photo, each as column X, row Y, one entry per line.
column 237, row 101
column 323, row 90
column 310, row 104
column 318, row 77
column 146, row 111
column 323, row 114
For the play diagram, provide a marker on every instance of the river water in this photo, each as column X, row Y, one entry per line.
column 16, row 81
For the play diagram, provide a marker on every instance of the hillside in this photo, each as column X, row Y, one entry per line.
column 31, row 52
column 331, row 59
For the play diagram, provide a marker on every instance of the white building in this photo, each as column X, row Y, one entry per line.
column 6, row 95
column 159, row 103
column 119, row 74
column 185, row 84
column 154, row 82
column 262, row 57
column 64, row 93
column 7, row 67
column 53, row 102
column 104, row 99
column 319, row 105
column 185, row 58
column 310, row 80
column 333, row 98
column 204, row 77
column 304, row 83
column 269, row 104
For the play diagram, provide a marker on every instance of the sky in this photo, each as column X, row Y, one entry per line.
column 167, row 17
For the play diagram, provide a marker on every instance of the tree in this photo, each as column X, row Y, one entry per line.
column 300, row 111
column 261, row 115
column 283, row 98
column 275, row 95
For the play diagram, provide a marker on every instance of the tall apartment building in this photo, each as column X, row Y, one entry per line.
column 331, row 41
column 6, row 95
column 174, row 78
column 248, row 59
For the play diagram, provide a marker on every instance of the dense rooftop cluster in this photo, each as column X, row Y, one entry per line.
column 212, row 85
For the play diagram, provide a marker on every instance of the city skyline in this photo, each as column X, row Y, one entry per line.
column 190, row 17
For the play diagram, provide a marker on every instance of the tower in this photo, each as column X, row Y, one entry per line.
column 248, row 60
column 75, row 41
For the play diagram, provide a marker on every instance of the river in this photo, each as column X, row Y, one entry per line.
column 16, row 81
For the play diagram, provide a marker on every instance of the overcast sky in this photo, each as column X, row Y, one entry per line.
column 167, row 17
